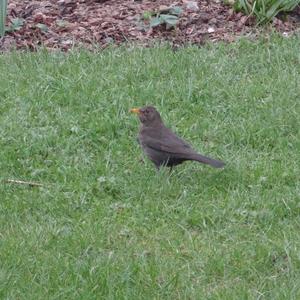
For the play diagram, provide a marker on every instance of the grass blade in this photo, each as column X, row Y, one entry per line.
column 3, row 11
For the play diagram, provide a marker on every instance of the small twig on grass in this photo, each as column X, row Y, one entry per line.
column 124, row 36
column 30, row 183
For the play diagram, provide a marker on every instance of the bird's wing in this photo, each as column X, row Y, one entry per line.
column 168, row 142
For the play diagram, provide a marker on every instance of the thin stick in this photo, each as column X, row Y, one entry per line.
column 23, row 182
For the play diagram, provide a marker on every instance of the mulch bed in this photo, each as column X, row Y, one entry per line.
column 63, row 24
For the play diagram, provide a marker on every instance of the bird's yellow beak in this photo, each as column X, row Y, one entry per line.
column 135, row 110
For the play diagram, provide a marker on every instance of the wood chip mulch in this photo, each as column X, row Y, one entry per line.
column 63, row 24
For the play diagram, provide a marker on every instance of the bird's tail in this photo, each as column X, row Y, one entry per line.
column 207, row 160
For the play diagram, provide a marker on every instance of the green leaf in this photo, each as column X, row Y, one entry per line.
column 155, row 22
column 176, row 10
column 169, row 19
column 16, row 24
column 147, row 15
column 42, row 27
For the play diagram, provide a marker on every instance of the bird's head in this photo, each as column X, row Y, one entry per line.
column 148, row 115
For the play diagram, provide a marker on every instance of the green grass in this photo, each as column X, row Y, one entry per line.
column 264, row 10
column 106, row 226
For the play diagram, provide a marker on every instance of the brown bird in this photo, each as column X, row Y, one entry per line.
column 162, row 146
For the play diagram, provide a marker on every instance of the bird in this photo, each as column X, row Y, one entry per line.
column 162, row 146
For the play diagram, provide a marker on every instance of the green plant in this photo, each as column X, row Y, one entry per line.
column 42, row 27
column 168, row 16
column 264, row 10
column 16, row 24
column 147, row 15
column 3, row 11
column 169, row 20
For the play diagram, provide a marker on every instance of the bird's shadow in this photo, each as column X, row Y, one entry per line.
column 223, row 179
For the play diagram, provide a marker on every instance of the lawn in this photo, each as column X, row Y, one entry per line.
column 107, row 226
